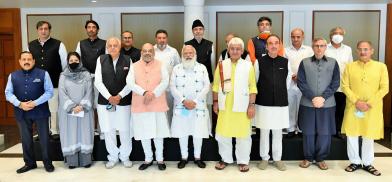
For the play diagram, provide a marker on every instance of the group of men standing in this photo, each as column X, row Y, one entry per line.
column 152, row 93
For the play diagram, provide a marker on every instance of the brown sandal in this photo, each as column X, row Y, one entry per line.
column 305, row 164
column 221, row 165
column 322, row 165
column 243, row 167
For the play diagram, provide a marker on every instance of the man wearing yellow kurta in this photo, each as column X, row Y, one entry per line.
column 234, row 102
column 365, row 83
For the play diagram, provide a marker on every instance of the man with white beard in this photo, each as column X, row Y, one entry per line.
column 148, row 79
column 189, row 86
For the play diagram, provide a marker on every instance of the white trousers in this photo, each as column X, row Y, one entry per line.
column 242, row 149
column 122, row 152
column 197, row 143
column 367, row 150
column 147, row 148
column 276, row 144
column 294, row 98
column 53, row 107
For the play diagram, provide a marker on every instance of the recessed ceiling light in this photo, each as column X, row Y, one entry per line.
column 93, row 1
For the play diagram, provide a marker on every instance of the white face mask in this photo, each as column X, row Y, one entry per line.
column 337, row 39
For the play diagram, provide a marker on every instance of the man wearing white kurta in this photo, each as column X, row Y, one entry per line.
column 295, row 53
column 189, row 85
column 148, row 80
column 273, row 77
column 114, row 110
column 343, row 55
column 169, row 57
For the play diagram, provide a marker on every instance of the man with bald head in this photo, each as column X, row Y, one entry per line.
column 148, row 79
column 114, row 102
column 189, row 85
column 295, row 53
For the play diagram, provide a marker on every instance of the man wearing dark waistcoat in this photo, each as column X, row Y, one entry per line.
column 89, row 49
column 127, row 46
column 114, row 103
column 50, row 55
column 257, row 45
column 318, row 79
column 29, row 90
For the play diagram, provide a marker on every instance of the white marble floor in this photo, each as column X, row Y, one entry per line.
column 191, row 173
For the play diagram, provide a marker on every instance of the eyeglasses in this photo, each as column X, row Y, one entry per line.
column 319, row 46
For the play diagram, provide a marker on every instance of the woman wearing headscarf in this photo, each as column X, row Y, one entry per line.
column 76, row 116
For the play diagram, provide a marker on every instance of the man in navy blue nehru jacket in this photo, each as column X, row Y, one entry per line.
column 29, row 90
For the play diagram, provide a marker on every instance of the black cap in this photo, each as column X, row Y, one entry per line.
column 197, row 23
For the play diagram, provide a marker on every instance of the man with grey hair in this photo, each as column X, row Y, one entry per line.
column 114, row 110
column 148, row 79
column 189, row 85
column 234, row 94
column 318, row 79
column 343, row 55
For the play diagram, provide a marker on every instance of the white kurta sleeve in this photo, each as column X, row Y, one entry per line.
column 63, row 56
column 257, row 71
column 78, row 49
column 177, row 95
column 131, row 82
column 206, row 87
column 213, row 61
column 164, row 82
column 98, row 81
column 289, row 76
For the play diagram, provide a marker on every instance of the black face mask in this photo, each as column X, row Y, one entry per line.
column 73, row 65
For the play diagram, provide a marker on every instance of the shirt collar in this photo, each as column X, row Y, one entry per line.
column 293, row 48
column 43, row 42
column 315, row 59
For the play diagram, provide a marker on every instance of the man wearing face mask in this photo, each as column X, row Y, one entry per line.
column 343, row 55
column 148, row 79
column 114, row 102
column 169, row 57
column 256, row 45
column 29, row 90
column 189, row 85
column 225, row 54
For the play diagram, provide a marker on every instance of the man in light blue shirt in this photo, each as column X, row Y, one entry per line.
column 29, row 90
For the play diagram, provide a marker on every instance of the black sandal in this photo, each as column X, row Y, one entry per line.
column 353, row 167
column 372, row 170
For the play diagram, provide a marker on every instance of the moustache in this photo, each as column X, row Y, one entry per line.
column 26, row 64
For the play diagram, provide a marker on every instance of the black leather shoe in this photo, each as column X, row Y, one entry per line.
column 87, row 166
column 182, row 164
column 71, row 167
column 200, row 163
column 49, row 168
column 161, row 166
column 290, row 134
column 25, row 168
column 145, row 166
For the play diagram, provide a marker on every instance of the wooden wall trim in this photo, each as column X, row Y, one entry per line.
column 388, row 62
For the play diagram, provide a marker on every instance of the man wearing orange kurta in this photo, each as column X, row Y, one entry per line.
column 365, row 83
column 148, row 79
column 234, row 102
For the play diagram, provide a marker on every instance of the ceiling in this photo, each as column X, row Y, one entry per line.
column 142, row 3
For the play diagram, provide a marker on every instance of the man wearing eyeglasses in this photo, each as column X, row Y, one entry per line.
column 318, row 79
column 365, row 82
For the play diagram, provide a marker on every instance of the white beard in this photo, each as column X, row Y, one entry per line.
column 188, row 64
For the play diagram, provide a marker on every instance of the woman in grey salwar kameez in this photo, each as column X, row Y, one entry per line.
column 75, row 96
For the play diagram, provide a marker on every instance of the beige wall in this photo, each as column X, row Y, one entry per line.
column 359, row 25
column 144, row 27
column 67, row 28
column 244, row 24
